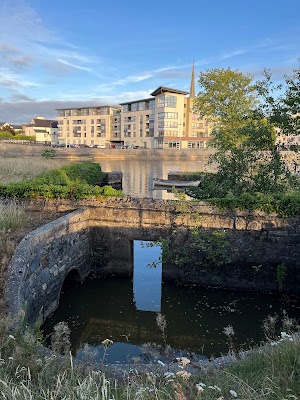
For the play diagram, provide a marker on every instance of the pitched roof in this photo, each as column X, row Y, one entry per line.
column 44, row 123
column 163, row 89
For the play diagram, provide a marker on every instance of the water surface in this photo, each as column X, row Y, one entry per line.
column 125, row 311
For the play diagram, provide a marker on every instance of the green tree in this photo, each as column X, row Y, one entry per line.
column 292, row 103
column 226, row 99
column 244, row 115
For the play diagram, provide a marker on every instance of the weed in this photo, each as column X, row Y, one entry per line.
column 281, row 272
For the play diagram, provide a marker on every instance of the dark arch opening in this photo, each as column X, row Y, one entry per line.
column 73, row 279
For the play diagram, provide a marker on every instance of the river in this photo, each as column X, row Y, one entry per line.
column 138, row 175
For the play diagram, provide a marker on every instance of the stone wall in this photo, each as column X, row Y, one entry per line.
column 99, row 236
column 26, row 150
column 43, row 260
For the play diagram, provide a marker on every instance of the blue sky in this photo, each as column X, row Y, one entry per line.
column 56, row 54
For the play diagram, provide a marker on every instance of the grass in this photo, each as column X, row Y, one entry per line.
column 271, row 373
column 12, row 215
column 15, row 169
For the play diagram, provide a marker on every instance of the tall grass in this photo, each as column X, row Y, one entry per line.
column 26, row 372
column 12, row 215
column 17, row 169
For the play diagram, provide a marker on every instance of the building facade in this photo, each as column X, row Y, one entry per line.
column 44, row 130
column 92, row 126
column 164, row 120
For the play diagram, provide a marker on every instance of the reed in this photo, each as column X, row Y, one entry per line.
column 17, row 169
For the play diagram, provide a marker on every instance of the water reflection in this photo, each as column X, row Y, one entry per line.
column 138, row 175
column 147, row 279
column 105, row 309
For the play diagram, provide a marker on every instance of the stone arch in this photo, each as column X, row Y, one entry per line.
column 73, row 277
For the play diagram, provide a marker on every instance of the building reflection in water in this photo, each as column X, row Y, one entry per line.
column 147, row 278
column 138, row 175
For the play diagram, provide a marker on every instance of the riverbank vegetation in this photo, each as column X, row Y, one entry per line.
column 17, row 169
column 6, row 135
column 27, row 371
column 247, row 118
column 71, row 181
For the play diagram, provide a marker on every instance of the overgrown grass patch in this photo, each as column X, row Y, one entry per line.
column 216, row 193
column 71, row 181
column 26, row 372
column 12, row 215
column 17, row 169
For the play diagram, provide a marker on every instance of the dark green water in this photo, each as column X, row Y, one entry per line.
column 114, row 308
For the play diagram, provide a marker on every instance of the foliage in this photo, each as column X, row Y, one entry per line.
column 7, row 128
column 246, row 155
column 196, row 247
column 225, row 99
column 213, row 191
column 12, row 215
column 281, row 272
column 49, row 153
column 5, row 135
column 292, row 103
column 27, row 371
column 71, row 181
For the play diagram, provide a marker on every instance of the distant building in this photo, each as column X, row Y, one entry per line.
column 99, row 126
column 44, row 130
column 164, row 120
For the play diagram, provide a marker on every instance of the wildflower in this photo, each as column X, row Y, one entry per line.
column 199, row 388
column 168, row 374
column 228, row 330
column 107, row 342
column 233, row 393
column 184, row 375
column 215, row 388
column 284, row 335
column 185, row 361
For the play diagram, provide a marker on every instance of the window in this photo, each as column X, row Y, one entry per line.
column 164, row 132
column 104, row 110
column 171, row 145
column 129, row 119
column 197, row 125
column 196, row 145
column 167, row 115
column 167, row 101
column 152, row 104
column 167, row 124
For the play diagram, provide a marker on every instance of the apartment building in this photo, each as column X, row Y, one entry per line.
column 97, row 126
column 164, row 120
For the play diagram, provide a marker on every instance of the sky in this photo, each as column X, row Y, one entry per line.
column 60, row 54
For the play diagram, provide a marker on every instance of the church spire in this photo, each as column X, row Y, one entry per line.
column 192, row 88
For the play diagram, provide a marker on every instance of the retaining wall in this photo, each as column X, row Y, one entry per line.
column 99, row 237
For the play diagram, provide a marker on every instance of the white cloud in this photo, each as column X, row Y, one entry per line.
column 73, row 65
column 11, row 79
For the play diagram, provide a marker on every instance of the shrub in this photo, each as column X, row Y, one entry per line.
column 71, row 181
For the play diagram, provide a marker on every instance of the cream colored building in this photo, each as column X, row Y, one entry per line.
column 91, row 126
column 44, row 130
column 163, row 121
